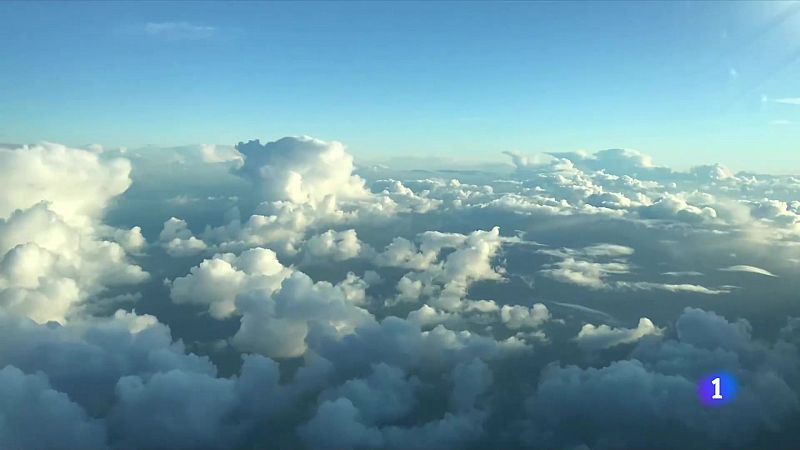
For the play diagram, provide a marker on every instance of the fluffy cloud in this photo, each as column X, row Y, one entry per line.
column 335, row 245
column 28, row 401
column 278, row 325
column 447, row 279
column 216, row 282
column 657, row 388
column 301, row 170
column 515, row 317
column 593, row 337
column 305, row 183
column 78, row 184
column 165, row 411
column 54, row 254
column 177, row 239
column 364, row 424
column 397, row 313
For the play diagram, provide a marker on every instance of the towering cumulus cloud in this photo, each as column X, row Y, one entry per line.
column 77, row 184
column 55, row 253
column 301, row 170
column 280, row 296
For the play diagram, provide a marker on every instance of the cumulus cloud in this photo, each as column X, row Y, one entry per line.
column 304, row 183
column 335, row 245
column 301, row 170
column 516, row 316
column 178, row 240
column 659, row 391
column 592, row 337
column 28, row 401
column 54, row 253
column 279, row 325
column 323, row 305
column 616, row 161
column 216, row 282
column 77, row 184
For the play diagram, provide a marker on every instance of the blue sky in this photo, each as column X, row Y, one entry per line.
column 685, row 82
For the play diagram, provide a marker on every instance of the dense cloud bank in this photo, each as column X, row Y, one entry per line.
column 278, row 295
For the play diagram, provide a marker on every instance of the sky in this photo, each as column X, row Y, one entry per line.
column 465, row 226
column 674, row 79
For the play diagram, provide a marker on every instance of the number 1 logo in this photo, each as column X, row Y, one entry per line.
column 716, row 382
column 716, row 389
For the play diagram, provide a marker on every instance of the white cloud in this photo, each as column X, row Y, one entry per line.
column 516, row 316
column 750, row 269
column 592, row 337
column 77, row 184
column 336, row 245
column 131, row 240
column 579, row 267
column 403, row 330
column 278, row 325
column 302, row 170
column 53, row 250
column 177, row 239
column 216, row 282
column 445, row 281
column 787, row 100
column 211, row 153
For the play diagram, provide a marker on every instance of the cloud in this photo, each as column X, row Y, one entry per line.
column 301, row 170
column 684, row 273
column 750, row 269
column 211, row 153
column 216, row 282
column 165, row 411
column 77, row 184
column 279, row 325
column 615, row 161
column 310, row 302
column 593, row 337
column 27, row 401
column 338, row 246
column 787, row 100
column 54, row 252
column 359, row 424
column 515, row 317
column 177, row 239
column 578, row 267
column 178, row 31
column 658, row 383
column 579, row 270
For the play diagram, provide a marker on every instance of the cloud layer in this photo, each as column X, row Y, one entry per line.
column 293, row 299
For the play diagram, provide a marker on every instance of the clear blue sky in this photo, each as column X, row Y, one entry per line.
column 685, row 82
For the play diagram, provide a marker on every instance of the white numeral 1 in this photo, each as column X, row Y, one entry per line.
column 716, row 383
